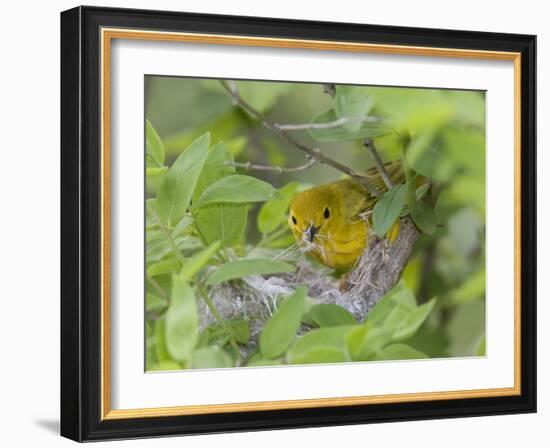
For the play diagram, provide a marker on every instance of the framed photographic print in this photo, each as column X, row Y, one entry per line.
column 273, row 224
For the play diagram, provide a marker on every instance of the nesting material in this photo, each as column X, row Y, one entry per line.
column 376, row 272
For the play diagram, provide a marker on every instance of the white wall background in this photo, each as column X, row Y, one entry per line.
column 29, row 234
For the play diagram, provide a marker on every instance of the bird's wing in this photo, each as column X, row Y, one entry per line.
column 394, row 170
column 357, row 200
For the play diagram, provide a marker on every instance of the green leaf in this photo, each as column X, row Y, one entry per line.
column 154, row 148
column 399, row 295
column 156, row 171
column 240, row 330
column 223, row 222
column 219, row 333
column 464, row 229
column 424, row 217
column 154, row 303
column 381, row 311
column 241, row 268
column 398, row 351
column 165, row 365
column 212, row 336
column 328, row 132
column 273, row 212
column 428, row 157
column 388, row 208
column 236, row 145
column 482, row 347
column 219, row 222
column 354, row 103
column 470, row 106
column 182, row 321
column 421, row 144
column 412, row 108
column 471, row 289
column 467, row 190
column 402, row 303
column 330, row 315
column 320, row 355
column 397, row 315
column 182, row 227
column 218, row 165
column 158, row 247
column 150, row 218
column 282, row 243
column 412, row 321
column 162, row 267
column 280, row 330
column 210, row 358
column 430, row 340
column 403, row 296
column 465, row 328
column 160, row 347
column 262, row 95
column 178, row 185
column 421, row 191
column 365, row 340
column 466, row 150
column 237, row 189
column 260, row 362
column 222, row 125
column 198, row 261
column 315, row 340
column 355, row 337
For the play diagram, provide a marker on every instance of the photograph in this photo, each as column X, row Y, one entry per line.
column 293, row 223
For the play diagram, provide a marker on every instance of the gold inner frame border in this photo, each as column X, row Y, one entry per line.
column 107, row 35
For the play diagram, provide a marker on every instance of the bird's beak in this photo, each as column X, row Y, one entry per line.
column 310, row 232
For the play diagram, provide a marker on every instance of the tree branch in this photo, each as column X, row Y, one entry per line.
column 369, row 144
column 381, row 266
column 277, row 169
column 329, row 124
column 314, row 153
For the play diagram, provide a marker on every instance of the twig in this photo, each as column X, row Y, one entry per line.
column 204, row 295
column 329, row 124
column 314, row 153
column 155, row 285
column 234, row 89
column 171, row 241
column 369, row 143
column 277, row 169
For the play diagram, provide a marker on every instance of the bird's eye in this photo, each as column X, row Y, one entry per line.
column 294, row 220
column 326, row 214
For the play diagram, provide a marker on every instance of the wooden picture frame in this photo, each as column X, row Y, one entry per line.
column 86, row 36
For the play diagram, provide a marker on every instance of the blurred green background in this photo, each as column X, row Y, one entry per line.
column 447, row 130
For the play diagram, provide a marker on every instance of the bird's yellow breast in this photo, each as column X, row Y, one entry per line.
column 342, row 249
column 332, row 211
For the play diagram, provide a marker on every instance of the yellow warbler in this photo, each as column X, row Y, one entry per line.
column 327, row 219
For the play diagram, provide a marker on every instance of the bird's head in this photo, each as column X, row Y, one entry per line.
column 313, row 214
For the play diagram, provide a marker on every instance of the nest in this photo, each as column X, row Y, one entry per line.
column 375, row 273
